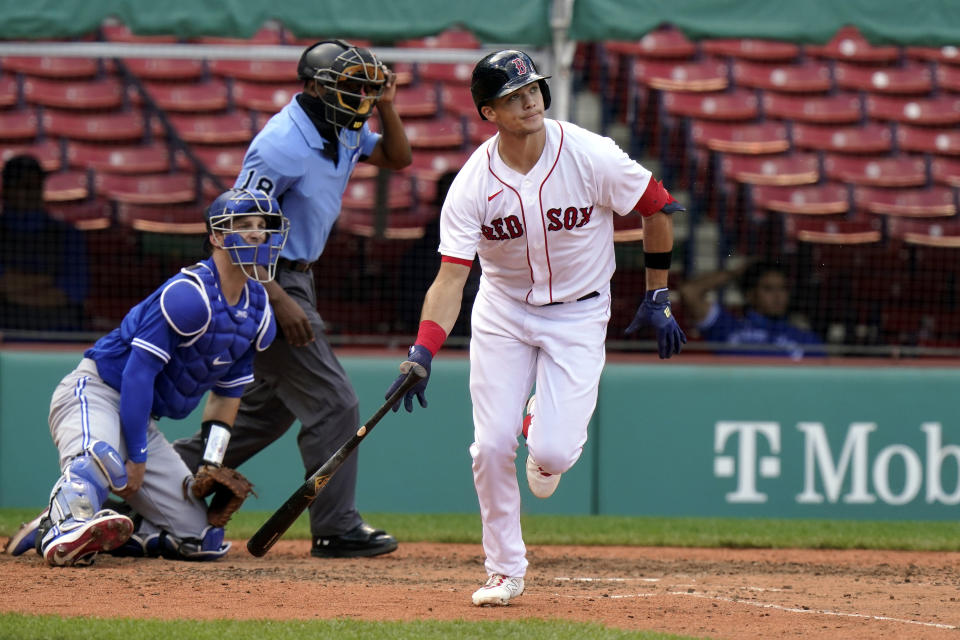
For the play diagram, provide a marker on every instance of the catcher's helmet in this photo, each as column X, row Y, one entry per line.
column 353, row 79
column 240, row 203
column 503, row 72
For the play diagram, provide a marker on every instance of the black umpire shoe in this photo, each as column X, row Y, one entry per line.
column 360, row 542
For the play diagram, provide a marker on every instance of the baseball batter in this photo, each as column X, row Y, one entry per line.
column 536, row 204
column 197, row 332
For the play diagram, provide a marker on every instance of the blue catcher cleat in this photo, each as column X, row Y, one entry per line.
column 26, row 536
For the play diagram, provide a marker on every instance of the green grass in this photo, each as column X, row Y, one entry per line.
column 632, row 531
column 465, row 528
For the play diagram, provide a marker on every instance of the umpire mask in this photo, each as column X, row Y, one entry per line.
column 349, row 79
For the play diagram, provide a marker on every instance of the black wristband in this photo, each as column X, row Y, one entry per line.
column 660, row 260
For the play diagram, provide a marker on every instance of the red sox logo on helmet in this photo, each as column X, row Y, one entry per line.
column 520, row 65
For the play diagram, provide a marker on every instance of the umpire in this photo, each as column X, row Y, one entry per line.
column 304, row 157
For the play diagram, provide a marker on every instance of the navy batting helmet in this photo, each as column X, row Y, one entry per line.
column 503, row 72
column 353, row 79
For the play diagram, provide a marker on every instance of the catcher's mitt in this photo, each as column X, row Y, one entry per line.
column 229, row 489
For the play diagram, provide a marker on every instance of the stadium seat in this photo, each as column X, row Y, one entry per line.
column 945, row 171
column 479, row 130
column 787, row 169
column 457, row 101
column 430, row 165
column 766, row 51
column 92, row 214
column 20, row 124
column 751, row 138
column 948, row 54
column 628, row 228
column 220, row 129
column 942, row 141
column 165, row 69
column 839, row 108
column 399, row 224
column 830, row 231
column 948, row 77
column 421, row 101
column 849, row 44
column 877, row 171
column 439, row 133
column 126, row 126
column 223, row 161
column 913, row 78
column 47, row 152
column 665, row 43
column 115, row 31
column 269, row 71
column 51, row 67
column 184, row 218
column 830, row 198
column 192, row 97
column 939, row 111
column 708, row 75
column 103, row 94
column 926, row 232
column 733, row 106
column 148, row 188
column 455, row 74
column 869, row 138
column 930, row 202
column 266, row 98
column 148, row 158
column 809, row 77
column 9, row 91
column 452, row 38
column 64, row 186
column 362, row 194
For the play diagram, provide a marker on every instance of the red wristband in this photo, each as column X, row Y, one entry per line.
column 431, row 335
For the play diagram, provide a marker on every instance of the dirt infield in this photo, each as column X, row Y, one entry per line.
column 725, row 593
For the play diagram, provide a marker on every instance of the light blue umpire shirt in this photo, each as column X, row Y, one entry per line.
column 286, row 160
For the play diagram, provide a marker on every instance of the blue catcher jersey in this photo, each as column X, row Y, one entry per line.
column 203, row 342
column 285, row 160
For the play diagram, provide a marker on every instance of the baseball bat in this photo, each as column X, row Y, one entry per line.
column 289, row 511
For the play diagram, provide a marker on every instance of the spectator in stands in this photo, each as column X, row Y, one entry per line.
column 764, row 327
column 43, row 261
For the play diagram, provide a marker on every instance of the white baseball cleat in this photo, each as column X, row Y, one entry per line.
column 542, row 484
column 499, row 590
column 77, row 542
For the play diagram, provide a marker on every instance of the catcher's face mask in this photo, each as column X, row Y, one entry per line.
column 253, row 231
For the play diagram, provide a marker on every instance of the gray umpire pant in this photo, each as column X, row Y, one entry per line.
column 298, row 383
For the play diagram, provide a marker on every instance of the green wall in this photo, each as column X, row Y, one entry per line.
column 666, row 439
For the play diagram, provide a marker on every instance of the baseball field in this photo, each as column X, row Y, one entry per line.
column 597, row 577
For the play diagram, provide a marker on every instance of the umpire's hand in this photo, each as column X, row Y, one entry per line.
column 292, row 320
column 655, row 311
column 418, row 354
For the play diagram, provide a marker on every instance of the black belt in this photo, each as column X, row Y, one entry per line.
column 592, row 294
column 294, row 265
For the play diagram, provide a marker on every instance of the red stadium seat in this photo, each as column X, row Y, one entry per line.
column 930, row 202
column 457, row 101
column 223, row 161
column 189, row 96
column 789, row 169
column 266, row 98
column 85, row 215
column 945, row 141
column 47, row 153
column 948, row 54
column 362, row 194
column 271, row 71
column 840, row 108
column 9, row 91
column 113, row 31
column 849, row 44
column 666, row 43
column 766, row 51
column 165, row 69
column 64, row 186
column 753, row 138
column 709, row 75
column 928, row 233
column 826, row 230
column 945, row 171
column 183, row 218
column 152, row 158
column 430, row 165
column 21, row 124
column 105, row 93
column 455, row 74
column 227, row 128
column 948, row 77
column 628, row 228
column 163, row 188
column 877, row 171
column 809, row 77
column 830, row 198
column 913, row 78
column 440, row 133
column 421, row 101
column 50, row 67
column 733, row 106
column 479, row 130
column 102, row 127
column 869, row 138
column 450, row 39
column 942, row 110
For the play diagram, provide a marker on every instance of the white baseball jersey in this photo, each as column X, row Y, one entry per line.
column 546, row 236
